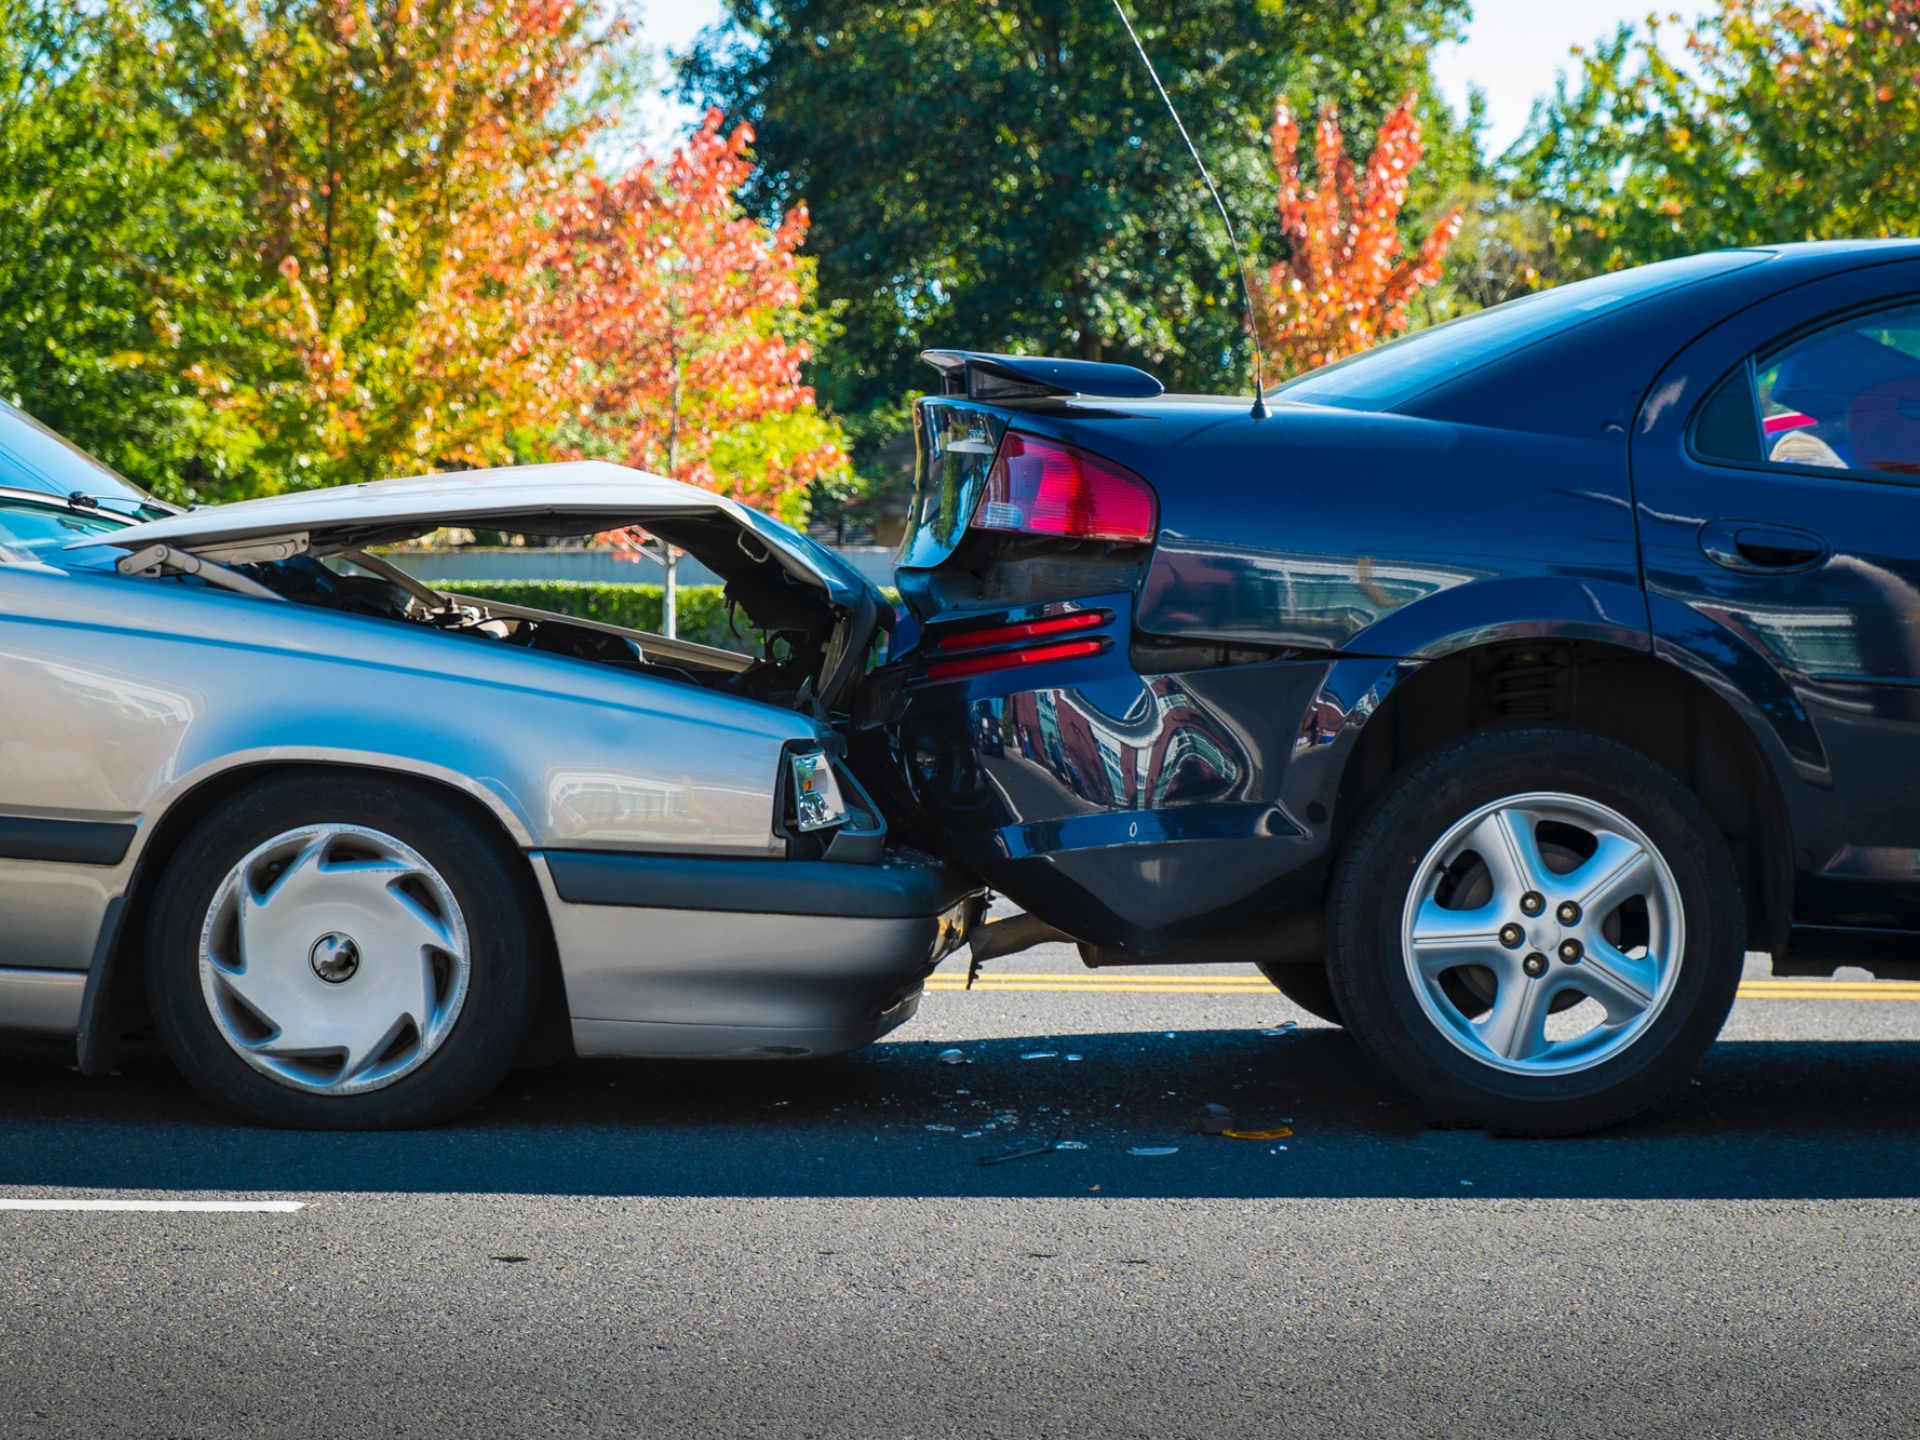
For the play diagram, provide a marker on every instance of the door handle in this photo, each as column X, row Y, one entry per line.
column 1756, row 548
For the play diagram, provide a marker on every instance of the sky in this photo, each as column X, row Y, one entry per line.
column 1512, row 51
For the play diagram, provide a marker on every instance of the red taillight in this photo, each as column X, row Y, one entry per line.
column 1047, row 487
column 987, row 637
column 1009, row 659
column 1026, row 630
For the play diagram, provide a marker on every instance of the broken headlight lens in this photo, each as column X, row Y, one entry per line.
column 817, row 802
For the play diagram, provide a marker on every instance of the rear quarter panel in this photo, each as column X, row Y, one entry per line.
column 1334, row 530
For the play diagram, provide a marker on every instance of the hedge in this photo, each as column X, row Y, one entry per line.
column 700, row 609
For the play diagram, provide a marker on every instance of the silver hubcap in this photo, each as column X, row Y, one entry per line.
column 1543, row 934
column 334, row 959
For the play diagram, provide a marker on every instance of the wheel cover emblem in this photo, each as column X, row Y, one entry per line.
column 304, row 914
column 1543, row 934
column 334, row 958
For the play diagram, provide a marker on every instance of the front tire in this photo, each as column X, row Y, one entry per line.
column 341, row 951
column 1537, row 930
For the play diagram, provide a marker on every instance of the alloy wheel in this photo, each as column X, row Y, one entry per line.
column 1543, row 933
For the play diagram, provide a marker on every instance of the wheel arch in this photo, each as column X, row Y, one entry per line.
column 1664, row 712
column 120, row 964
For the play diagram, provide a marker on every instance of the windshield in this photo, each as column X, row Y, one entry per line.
column 1396, row 372
column 32, row 457
column 35, row 533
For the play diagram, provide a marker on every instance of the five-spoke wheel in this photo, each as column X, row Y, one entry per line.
column 1536, row 929
column 1544, row 934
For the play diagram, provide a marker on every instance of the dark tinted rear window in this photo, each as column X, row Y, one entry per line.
column 1391, row 374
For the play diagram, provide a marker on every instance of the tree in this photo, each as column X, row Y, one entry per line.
column 688, row 322
column 1794, row 121
column 999, row 174
column 1344, row 284
column 118, row 249
column 397, row 159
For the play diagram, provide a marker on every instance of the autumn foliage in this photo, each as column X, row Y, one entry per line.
column 1346, row 283
column 398, row 254
column 682, row 319
column 400, row 156
column 1790, row 120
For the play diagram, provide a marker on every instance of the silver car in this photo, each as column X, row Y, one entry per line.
column 355, row 846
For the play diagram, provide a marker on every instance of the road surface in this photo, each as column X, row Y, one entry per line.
column 718, row 1250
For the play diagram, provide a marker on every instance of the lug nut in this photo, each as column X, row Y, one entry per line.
column 1512, row 936
column 1532, row 903
column 1568, row 912
column 1570, row 951
column 1535, row 964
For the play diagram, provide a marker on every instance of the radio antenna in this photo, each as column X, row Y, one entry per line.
column 1240, row 261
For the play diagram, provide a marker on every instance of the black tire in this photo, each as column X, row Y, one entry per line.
column 1383, row 862
column 480, row 871
column 1305, row 983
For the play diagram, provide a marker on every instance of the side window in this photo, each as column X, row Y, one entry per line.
column 1846, row 397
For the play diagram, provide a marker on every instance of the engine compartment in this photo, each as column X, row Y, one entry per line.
column 803, row 639
column 813, row 620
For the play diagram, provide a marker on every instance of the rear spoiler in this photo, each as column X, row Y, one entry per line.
column 979, row 375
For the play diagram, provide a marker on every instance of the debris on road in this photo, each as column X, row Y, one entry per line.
column 1070, row 1145
column 1283, row 1028
column 952, row 1057
column 510, row 1259
column 1279, row 1132
column 947, row 1129
column 1210, row 1120
column 1073, row 1057
column 1041, row 1055
column 1154, row 1150
column 1019, row 1152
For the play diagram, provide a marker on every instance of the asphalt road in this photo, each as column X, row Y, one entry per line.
column 810, row 1250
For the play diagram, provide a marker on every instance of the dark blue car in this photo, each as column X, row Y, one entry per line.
column 1495, row 690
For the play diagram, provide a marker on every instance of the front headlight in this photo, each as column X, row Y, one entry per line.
column 817, row 803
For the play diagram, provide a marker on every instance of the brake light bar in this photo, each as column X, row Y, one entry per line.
column 1011, row 659
column 1026, row 630
column 1047, row 487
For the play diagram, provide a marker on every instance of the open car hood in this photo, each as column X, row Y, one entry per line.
column 578, row 498
column 788, row 586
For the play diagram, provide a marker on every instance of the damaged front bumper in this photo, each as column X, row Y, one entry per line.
column 775, row 959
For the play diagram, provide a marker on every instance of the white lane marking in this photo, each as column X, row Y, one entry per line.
column 258, row 1207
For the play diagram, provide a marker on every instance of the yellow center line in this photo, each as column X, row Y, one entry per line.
column 1829, row 990
column 1032, row 983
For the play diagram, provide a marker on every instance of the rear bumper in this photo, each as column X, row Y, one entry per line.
column 771, row 959
column 1134, row 812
